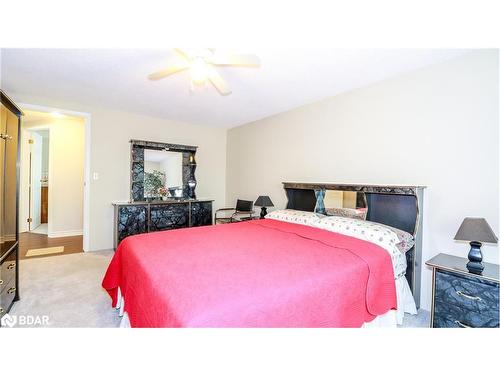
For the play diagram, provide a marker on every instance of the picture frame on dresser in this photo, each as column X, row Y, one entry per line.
column 462, row 299
column 10, row 125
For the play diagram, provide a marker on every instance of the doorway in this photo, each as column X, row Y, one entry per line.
column 38, row 177
column 51, row 198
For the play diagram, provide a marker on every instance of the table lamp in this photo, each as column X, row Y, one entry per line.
column 477, row 231
column 263, row 201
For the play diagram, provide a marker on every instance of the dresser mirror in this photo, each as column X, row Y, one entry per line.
column 162, row 174
column 162, row 171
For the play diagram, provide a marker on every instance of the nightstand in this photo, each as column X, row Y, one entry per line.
column 463, row 299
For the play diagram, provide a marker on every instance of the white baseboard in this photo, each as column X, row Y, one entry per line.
column 65, row 233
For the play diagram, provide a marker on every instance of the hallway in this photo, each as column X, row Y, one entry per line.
column 30, row 240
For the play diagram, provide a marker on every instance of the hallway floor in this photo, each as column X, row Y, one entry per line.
column 41, row 229
column 30, row 240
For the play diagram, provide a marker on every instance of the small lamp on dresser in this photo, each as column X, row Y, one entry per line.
column 263, row 201
column 477, row 231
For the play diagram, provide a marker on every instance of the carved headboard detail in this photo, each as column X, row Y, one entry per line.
column 397, row 206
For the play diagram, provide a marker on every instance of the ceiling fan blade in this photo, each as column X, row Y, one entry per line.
column 182, row 53
column 234, row 60
column 219, row 83
column 178, row 67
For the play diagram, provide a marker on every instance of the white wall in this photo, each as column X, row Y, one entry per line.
column 172, row 165
column 45, row 156
column 437, row 126
column 66, row 166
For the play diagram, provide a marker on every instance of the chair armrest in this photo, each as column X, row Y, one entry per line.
column 226, row 209
column 236, row 213
column 244, row 212
column 222, row 209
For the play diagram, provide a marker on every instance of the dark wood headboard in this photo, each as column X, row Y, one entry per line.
column 397, row 206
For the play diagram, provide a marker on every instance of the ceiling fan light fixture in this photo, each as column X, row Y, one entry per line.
column 198, row 70
column 201, row 65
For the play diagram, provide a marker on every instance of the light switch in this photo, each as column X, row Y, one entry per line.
column 95, row 176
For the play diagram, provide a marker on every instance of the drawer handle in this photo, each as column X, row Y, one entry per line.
column 11, row 266
column 1, row 281
column 1, row 310
column 6, row 137
column 11, row 290
column 474, row 298
column 460, row 324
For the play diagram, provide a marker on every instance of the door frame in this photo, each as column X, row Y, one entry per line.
column 25, row 164
column 31, row 200
column 86, row 169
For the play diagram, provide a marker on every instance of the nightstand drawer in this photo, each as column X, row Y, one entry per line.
column 8, row 269
column 462, row 300
column 7, row 296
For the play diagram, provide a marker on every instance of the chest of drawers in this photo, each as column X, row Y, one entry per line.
column 10, row 123
column 8, row 280
column 137, row 218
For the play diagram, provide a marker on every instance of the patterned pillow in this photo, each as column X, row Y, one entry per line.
column 406, row 240
column 354, row 213
column 375, row 233
column 364, row 230
column 295, row 216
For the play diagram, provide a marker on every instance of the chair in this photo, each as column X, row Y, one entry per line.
column 243, row 211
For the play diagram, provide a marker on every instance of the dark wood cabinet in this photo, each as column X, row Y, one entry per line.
column 144, row 217
column 10, row 116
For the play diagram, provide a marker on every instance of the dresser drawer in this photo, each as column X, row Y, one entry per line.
column 461, row 300
column 201, row 213
column 168, row 216
column 7, row 295
column 8, row 269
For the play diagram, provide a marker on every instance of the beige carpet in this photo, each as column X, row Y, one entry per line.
column 67, row 289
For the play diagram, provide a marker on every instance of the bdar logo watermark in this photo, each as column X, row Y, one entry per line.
column 24, row 320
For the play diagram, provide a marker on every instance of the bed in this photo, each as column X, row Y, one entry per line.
column 262, row 273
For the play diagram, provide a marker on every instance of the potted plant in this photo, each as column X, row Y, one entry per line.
column 152, row 182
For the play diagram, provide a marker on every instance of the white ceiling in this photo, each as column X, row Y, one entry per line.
column 288, row 78
column 31, row 117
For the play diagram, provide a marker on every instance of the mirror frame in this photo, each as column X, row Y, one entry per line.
column 137, row 148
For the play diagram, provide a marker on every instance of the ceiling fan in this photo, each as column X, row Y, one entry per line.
column 201, row 64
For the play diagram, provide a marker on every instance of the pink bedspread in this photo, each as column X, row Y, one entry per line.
column 261, row 273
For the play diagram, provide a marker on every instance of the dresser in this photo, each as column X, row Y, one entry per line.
column 144, row 217
column 461, row 299
column 10, row 116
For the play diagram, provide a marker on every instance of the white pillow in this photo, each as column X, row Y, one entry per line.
column 375, row 233
column 380, row 235
column 295, row 216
